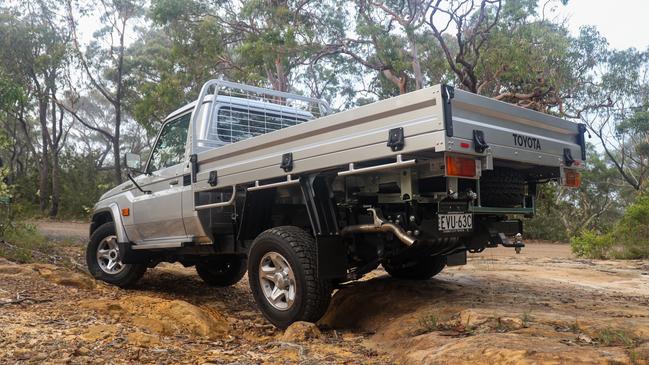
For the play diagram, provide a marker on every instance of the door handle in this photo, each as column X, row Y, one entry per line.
column 173, row 182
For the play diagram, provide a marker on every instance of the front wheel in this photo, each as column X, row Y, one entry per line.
column 103, row 259
column 283, row 277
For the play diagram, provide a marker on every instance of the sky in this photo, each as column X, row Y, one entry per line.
column 624, row 23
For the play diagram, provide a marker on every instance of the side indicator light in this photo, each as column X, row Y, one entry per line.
column 460, row 166
column 126, row 212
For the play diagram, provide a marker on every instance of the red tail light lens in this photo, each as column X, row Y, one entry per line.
column 460, row 166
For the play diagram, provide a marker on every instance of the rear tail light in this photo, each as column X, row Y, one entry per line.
column 571, row 178
column 457, row 166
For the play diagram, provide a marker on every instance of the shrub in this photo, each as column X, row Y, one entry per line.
column 20, row 241
column 592, row 245
column 628, row 239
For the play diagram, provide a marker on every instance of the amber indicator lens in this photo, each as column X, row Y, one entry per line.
column 572, row 178
column 460, row 166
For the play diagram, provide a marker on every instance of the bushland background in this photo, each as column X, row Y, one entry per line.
column 73, row 101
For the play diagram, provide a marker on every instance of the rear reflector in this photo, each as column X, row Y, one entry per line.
column 460, row 166
column 571, row 178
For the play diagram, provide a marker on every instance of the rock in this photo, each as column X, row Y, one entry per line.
column 163, row 316
column 153, row 325
column 40, row 356
column 143, row 339
column 470, row 318
column 14, row 269
column 99, row 332
column 641, row 354
column 82, row 351
column 23, row 354
column 64, row 277
column 584, row 338
column 301, row 331
column 511, row 323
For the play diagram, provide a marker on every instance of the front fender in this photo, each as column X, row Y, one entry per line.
column 114, row 211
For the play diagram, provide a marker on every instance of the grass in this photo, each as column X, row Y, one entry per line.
column 21, row 242
column 526, row 318
column 615, row 337
column 574, row 328
column 428, row 323
column 501, row 327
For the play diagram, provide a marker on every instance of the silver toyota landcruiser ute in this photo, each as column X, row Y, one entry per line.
column 252, row 180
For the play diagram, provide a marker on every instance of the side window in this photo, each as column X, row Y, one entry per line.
column 169, row 150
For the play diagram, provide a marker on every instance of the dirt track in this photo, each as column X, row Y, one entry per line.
column 542, row 306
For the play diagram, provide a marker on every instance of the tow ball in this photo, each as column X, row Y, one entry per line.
column 500, row 239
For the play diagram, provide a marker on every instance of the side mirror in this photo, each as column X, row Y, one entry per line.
column 133, row 161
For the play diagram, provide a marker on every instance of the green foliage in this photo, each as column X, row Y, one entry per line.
column 597, row 204
column 591, row 244
column 428, row 323
column 615, row 337
column 20, row 241
column 628, row 239
column 81, row 190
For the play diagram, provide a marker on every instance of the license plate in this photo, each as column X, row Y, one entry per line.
column 455, row 222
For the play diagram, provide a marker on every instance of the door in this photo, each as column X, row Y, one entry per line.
column 158, row 216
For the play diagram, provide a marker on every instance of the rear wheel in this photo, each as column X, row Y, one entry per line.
column 283, row 277
column 222, row 270
column 416, row 269
column 103, row 259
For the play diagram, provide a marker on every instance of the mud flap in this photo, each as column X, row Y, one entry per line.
column 130, row 256
column 332, row 257
column 456, row 259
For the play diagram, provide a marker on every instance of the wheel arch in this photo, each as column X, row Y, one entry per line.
column 110, row 213
column 316, row 199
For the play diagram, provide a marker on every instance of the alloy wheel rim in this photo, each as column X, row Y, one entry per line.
column 108, row 256
column 277, row 281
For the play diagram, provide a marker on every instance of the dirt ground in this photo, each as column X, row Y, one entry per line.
column 542, row 306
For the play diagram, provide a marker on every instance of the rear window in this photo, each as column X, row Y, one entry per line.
column 236, row 124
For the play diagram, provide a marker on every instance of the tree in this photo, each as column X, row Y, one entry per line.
column 104, row 63
column 615, row 106
column 37, row 50
column 473, row 25
column 596, row 205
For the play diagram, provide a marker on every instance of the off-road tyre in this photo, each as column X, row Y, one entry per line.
column 312, row 295
column 421, row 269
column 502, row 187
column 222, row 270
column 129, row 275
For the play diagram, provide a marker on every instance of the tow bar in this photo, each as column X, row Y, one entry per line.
column 499, row 238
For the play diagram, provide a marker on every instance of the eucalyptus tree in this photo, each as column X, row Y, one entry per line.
column 615, row 107
column 258, row 42
column 35, row 53
column 103, row 60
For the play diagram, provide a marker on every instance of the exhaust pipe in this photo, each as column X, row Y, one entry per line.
column 379, row 226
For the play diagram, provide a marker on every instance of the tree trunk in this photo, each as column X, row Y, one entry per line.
column 56, row 193
column 116, row 136
column 399, row 81
column 416, row 65
column 44, row 163
column 55, row 140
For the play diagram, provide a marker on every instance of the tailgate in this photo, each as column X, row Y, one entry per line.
column 511, row 132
